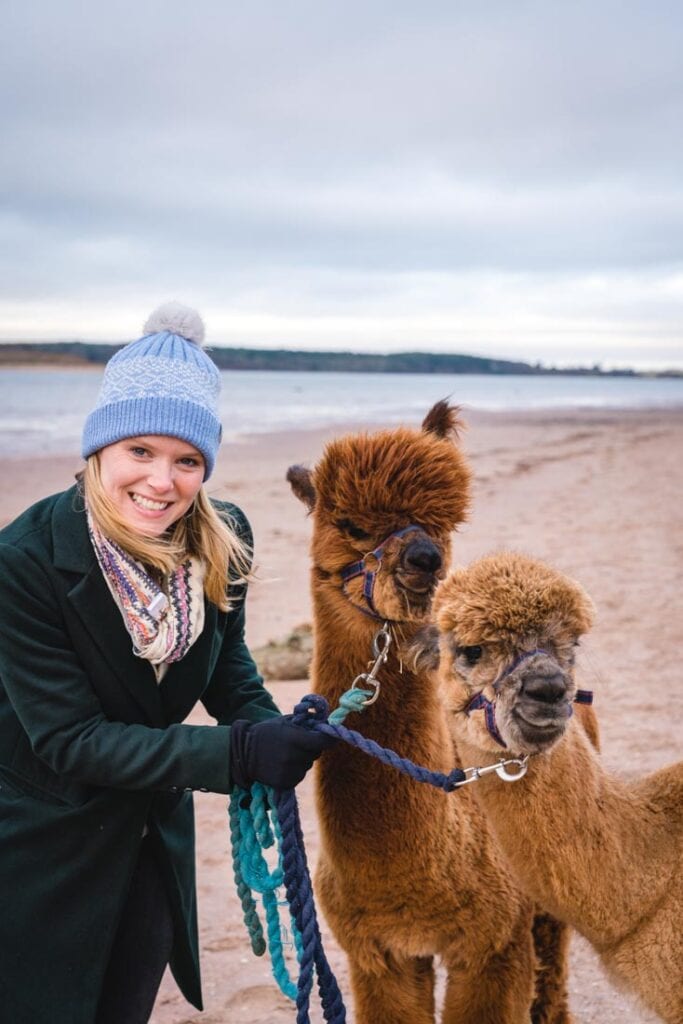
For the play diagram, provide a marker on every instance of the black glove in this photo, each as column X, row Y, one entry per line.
column 275, row 752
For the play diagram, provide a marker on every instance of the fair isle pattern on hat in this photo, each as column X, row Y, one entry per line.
column 142, row 375
column 164, row 383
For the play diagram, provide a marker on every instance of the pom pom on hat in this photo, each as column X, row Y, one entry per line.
column 176, row 319
column 163, row 383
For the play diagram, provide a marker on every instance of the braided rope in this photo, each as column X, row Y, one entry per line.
column 249, row 912
column 300, row 898
column 259, row 819
column 253, row 832
column 352, row 700
column 313, row 711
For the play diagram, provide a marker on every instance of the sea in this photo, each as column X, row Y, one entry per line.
column 42, row 409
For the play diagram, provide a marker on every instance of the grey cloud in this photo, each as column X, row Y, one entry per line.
column 236, row 144
column 539, row 89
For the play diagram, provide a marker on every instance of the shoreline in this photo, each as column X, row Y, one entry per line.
column 37, row 354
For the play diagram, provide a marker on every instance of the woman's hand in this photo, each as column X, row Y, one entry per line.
column 275, row 752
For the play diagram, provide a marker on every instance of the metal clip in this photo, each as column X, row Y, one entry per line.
column 380, row 648
column 521, row 763
column 381, row 642
column 500, row 768
column 366, row 679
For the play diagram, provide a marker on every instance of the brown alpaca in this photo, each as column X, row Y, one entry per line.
column 604, row 855
column 406, row 872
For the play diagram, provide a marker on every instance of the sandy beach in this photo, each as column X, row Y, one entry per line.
column 596, row 493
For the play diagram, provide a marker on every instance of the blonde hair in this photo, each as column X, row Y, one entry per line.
column 202, row 532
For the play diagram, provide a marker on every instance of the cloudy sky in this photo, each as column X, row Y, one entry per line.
column 500, row 178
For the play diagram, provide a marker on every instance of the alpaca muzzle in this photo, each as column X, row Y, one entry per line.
column 419, row 566
column 543, row 701
column 368, row 567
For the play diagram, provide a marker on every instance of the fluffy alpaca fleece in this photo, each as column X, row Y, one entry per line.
column 601, row 854
column 407, row 873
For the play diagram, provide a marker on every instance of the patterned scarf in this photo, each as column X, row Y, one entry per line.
column 163, row 620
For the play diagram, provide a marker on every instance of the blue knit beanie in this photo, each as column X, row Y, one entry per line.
column 164, row 383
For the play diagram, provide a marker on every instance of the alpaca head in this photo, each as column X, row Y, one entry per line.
column 508, row 628
column 370, row 487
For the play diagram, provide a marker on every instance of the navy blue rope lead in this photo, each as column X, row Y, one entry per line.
column 313, row 711
column 299, row 891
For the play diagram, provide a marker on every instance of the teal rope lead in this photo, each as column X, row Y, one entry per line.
column 249, row 912
column 352, row 700
column 260, row 819
column 253, row 828
column 248, row 813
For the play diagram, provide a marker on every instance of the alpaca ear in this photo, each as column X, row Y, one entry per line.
column 301, row 482
column 422, row 652
column 443, row 420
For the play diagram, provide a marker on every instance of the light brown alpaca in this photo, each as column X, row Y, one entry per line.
column 406, row 872
column 602, row 854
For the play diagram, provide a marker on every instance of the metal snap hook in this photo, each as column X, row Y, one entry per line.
column 522, row 765
column 381, row 641
column 365, row 679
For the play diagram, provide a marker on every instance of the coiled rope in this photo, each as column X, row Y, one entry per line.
column 263, row 818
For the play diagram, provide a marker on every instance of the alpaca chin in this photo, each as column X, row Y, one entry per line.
column 398, row 602
column 530, row 727
column 417, row 584
column 416, row 603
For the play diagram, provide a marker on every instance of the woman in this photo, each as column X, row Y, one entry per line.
column 121, row 606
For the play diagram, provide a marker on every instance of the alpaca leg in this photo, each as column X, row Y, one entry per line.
column 551, row 941
column 401, row 994
column 494, row 990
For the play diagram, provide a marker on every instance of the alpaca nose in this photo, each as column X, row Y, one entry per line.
column 548, row 688
column 421, row 556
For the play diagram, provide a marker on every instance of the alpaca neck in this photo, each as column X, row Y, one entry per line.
column 406, row 715
column 343, row 649
column 573, row 834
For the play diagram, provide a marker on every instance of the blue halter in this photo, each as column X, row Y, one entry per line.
column 480, row 702
column 360, row 568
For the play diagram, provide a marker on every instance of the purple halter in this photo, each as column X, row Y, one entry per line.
column 360, row 568
column 479, row 701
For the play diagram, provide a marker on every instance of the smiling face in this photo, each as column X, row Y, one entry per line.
column 508, row 628
column 152, row 481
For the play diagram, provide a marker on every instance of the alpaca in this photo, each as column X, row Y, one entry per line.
column 407, row 873
column 603, row 855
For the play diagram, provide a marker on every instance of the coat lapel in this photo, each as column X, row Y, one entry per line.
column 92, row 601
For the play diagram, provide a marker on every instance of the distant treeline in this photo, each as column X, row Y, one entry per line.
column 73, row 353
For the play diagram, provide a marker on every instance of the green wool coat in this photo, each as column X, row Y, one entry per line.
column 91, row 752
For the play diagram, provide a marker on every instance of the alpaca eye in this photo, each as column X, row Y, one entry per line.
column 354, row 531
column 470, row 654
